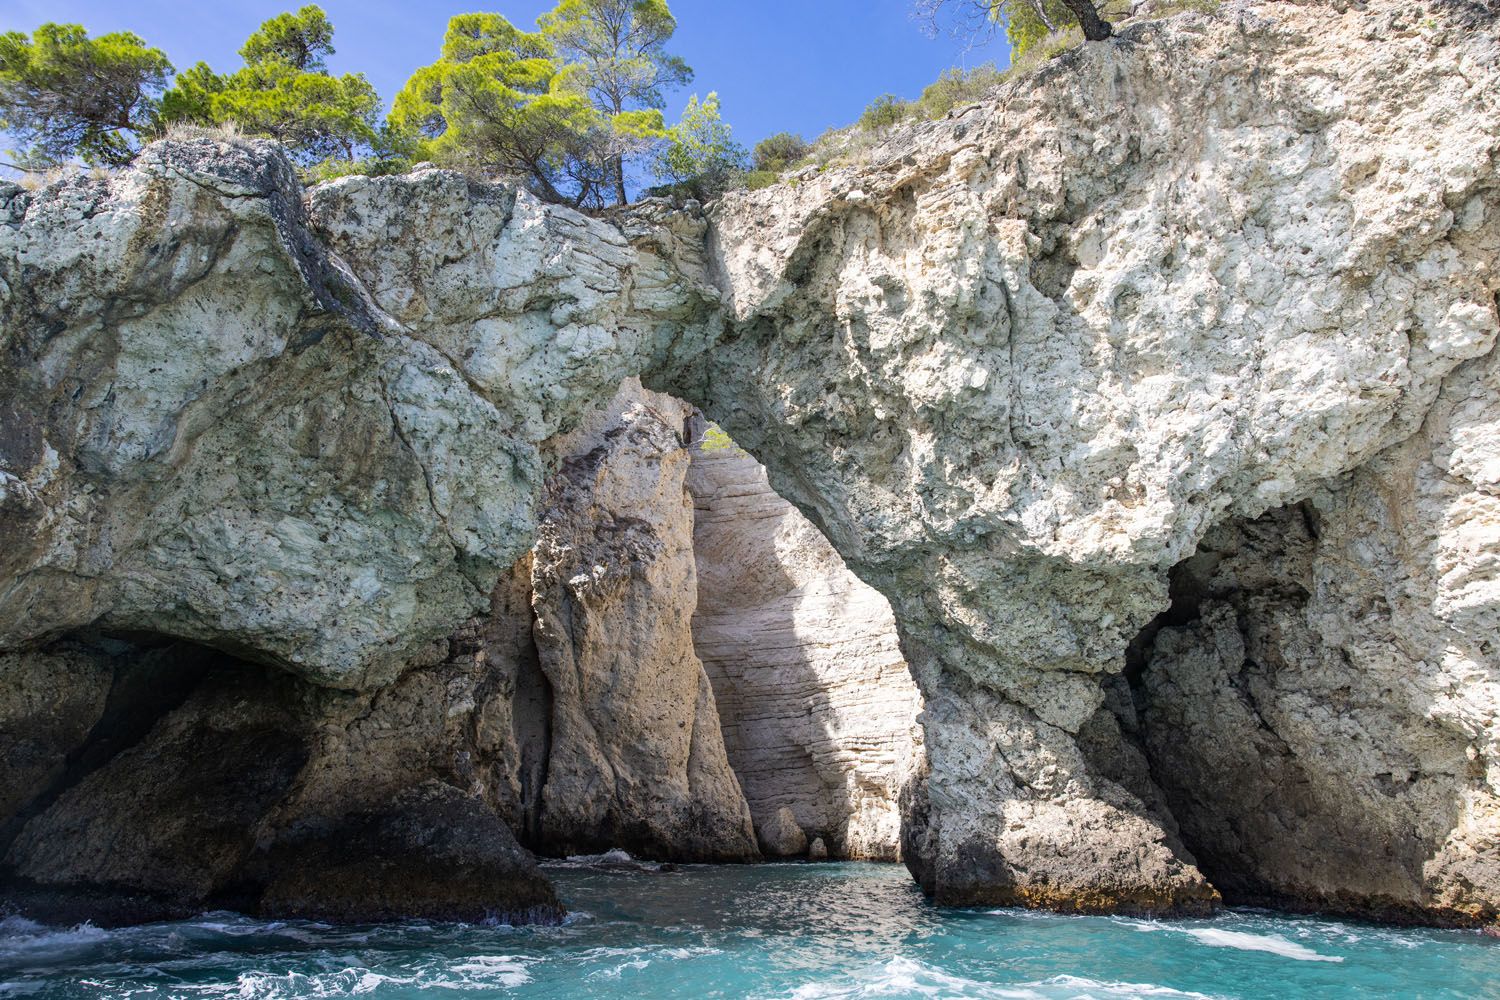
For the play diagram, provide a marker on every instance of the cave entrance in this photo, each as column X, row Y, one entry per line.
column 722, row 687
column 682, row 667
column 817, row 706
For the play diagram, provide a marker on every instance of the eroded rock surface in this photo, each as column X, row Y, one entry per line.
column 205, row 781
column 211, row 782
column 818, row 710
column 1016, row 365
column 52, row 701
column 1321, row 702
column 1020, row 361
column 637, row 756
column 220, row 429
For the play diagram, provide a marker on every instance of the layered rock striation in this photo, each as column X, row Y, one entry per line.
column 1154, row 394
column 818, row 710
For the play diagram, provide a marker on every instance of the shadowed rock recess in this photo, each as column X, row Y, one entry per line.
column 343, row 566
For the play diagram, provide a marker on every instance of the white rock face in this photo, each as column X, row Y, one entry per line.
column 818, row 709
column 780, row 835
column 1335, row 685
column 1024, row 358
column 216, row 428
column 636, row 757
column 1222, row 288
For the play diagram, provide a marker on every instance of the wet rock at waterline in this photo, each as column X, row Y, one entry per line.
column 215, row 783
column 780, row 836
column 1015, row 366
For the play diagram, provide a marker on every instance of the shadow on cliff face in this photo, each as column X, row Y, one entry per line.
column 1306, row 762
column 145, row 778
column 819, row 711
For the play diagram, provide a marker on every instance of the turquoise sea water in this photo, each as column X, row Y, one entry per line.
column 795, row 931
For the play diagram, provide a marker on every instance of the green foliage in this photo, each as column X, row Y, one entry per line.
column 1027, row 22
column 284, row 92
column 565, row 107
column 314, row 115
column 615, row 52
column 1047, row 23
column 1045, row 48
column 778, row 152
column 300, row 40
column 885, row 111
column 1166, row 8
column 618, row 50
column 958, row 86
column 714, row 439
column 754, row 180
column 368, row 166
column 701, row 151
column 66, row 94
column 496, row 100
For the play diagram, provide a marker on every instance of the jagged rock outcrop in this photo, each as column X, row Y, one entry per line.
column 214, row 429
column 818, row 710
column 50, row 703
column 207, row 782
column 637, row 755
column 1015, row 365
column 1321, row 702
column 1020, row 361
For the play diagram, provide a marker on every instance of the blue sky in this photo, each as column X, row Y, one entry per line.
column 800, row 65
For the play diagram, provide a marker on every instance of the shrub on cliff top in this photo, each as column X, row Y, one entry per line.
column 958, row 86
column 883, row 112
column 284, row 92
column 778, row 152
column 65, row 94
column 701, row 153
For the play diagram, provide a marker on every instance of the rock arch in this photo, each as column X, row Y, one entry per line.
column 1015, row 365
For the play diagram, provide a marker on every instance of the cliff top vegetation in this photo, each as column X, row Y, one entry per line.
column 574, row 108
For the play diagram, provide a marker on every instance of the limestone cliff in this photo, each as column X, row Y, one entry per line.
column 215, row 429
column 1320, row 702
column 818, row 709
column 637, row 756
column 1218, row 294
column 1024, row 359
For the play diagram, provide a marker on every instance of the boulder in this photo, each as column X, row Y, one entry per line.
column 780, row 836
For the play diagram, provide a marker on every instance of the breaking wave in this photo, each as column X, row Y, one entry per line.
column 1273, row 944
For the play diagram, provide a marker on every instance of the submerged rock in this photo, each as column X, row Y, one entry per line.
column 433, row 853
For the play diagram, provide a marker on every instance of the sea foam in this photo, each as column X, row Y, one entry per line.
column 1273, row 944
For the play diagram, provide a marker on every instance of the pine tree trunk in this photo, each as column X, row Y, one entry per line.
column 618, row 169
column 1095, row 28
